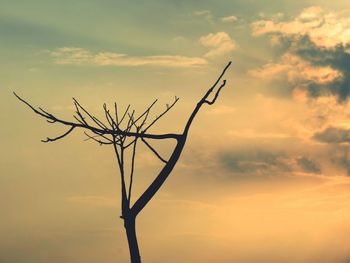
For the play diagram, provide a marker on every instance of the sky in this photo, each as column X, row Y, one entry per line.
column 264, row 176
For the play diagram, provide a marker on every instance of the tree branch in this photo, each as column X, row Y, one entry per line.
column 153, row 150
column 132, row 170
column 148, row 194
column 168, row 107
column 126, row 111
column 145, row 113
column 216, row 94
column 124, row 199
column 59, row 137
column 121, row 134
column 52, row 119
column 96, row 140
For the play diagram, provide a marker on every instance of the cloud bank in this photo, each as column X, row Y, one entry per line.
column 81, row 56
column 315, row 59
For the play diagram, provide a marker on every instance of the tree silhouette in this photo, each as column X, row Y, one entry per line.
column 124, row 131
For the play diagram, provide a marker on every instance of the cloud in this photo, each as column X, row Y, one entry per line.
column 315, row 60
column 220, row 43
column 205, row 14
column 308, row 165
column 341, row 158
column 202, row 12
column 299, row 71
column 325, row 29
column 252, row 161
column 319, row 114
column 252, row 134
column 80, row 56
column 266, row 162
column 229, row 19
column 269, row 70
column 335, row 58
column 333, row 135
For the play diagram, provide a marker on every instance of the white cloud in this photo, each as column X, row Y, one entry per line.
column 220, row 43
column 229, row 19
column 297, row 71
column 325, row 29
column 301, row 70
column 204, row 13
column 315, row 42
column 269, row 71
column 80, row 56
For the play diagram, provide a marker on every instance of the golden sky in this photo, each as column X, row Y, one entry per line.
column 264, row 176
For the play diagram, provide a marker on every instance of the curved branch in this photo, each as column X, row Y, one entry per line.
column 216, row 94
column 59, row 137
column 142, row 201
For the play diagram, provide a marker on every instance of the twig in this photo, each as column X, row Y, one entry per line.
column 59, row 137
column 154, row 151
column 161, row 115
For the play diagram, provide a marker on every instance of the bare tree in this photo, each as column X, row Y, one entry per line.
column 124, row 131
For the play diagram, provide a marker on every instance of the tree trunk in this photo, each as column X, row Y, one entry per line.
column 130, row 227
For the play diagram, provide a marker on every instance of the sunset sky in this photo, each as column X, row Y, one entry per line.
column 264, row 176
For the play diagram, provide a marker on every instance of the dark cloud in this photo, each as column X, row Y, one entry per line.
column 251, row 161
column 333, row 135
column 308, row 165
column 260, row 162
column 340, row 157
column 337, row 58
